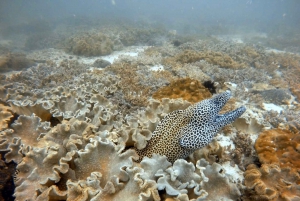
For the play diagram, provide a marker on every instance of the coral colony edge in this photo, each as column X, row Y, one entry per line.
column 140, row 112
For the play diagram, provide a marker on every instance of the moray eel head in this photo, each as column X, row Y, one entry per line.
column 206, row 121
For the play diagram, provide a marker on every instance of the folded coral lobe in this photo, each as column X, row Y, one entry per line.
column 181, row 132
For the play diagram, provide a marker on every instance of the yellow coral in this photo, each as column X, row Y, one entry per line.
column 185, row 88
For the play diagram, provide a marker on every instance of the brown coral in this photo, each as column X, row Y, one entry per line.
column 269, row 182
column 95, row 44
column 5, row 116
column 185, row 88
column 280, row 147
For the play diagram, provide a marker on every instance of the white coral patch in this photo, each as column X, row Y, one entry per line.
column 271, row 106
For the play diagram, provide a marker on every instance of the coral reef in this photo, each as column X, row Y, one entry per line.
column 185, row 88
column 72, row 127
column 48, row 75
column 83, row 155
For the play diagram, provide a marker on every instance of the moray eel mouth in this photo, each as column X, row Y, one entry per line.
column 219, row 101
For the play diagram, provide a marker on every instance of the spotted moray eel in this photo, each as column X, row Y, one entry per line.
column 182, row 132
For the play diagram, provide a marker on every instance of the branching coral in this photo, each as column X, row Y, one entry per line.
column 289, row 118
column 243, row 154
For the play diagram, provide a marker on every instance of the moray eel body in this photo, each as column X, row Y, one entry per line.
column 182, row 132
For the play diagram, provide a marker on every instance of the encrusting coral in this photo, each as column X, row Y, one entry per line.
column 182, row 132
column 185, row 88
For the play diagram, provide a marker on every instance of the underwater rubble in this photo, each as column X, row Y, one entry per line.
column 69, row 127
